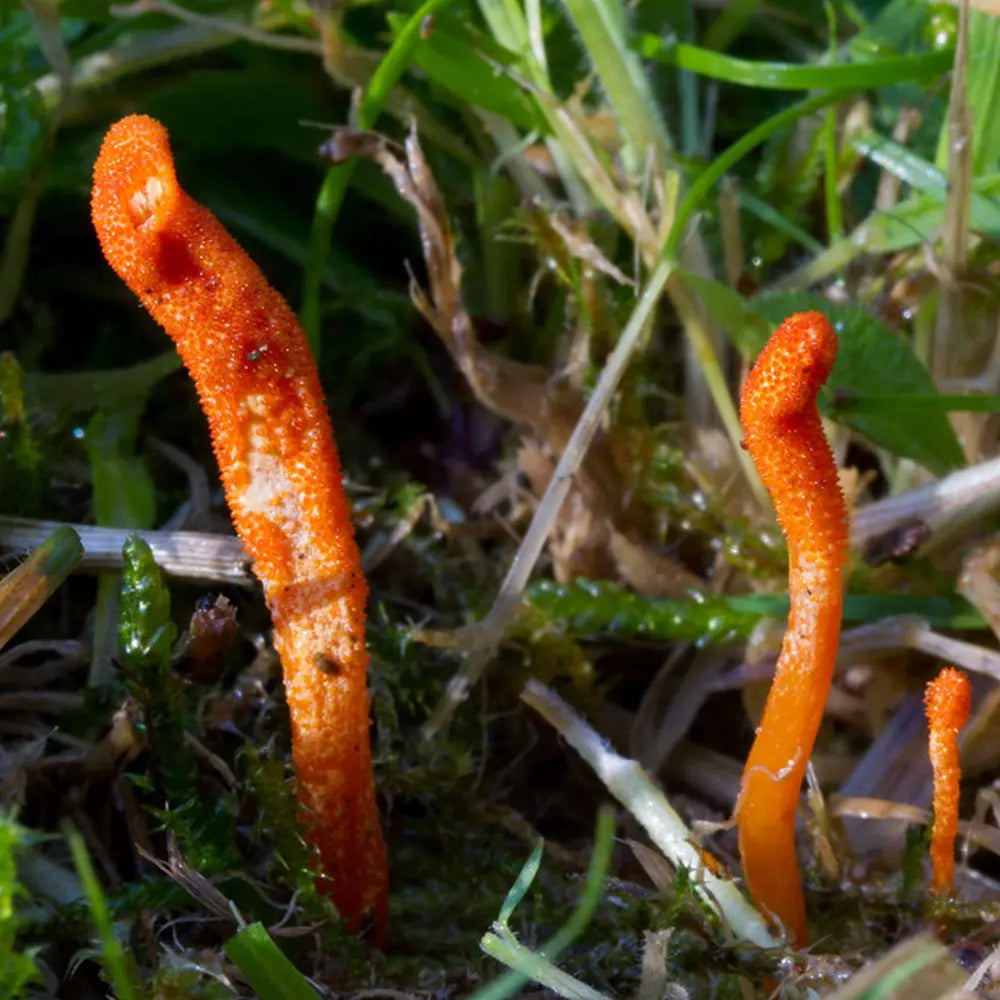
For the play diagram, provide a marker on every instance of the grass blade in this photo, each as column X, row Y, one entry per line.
column 265, row 966
column 601, row 27
column 334, row 186
column 112, row 955
column 24, row 590
column 794, row 76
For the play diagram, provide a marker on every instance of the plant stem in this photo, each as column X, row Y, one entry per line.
column 334, row 186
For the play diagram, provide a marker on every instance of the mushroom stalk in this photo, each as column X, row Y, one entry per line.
column 260, row 390
column 947, row 703
column 785, row 438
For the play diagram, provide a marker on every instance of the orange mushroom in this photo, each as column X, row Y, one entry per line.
column 784, row 436
column 260, row 390
column 947, row 701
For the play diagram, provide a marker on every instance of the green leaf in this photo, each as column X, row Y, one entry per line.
column 265, row 966
column 871, row 361
column 64, row 394
column 945, row 402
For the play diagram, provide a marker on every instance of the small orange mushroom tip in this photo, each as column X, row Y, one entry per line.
column 260, row 390
column 784, row 435
column 947, row 702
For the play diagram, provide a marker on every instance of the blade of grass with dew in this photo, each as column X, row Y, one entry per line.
column 501, row 941
column 913, row 222
column 265, row 966
column 923, row 176
column 24, row 590
column 334, row 186
column 638, row 793
column 901, row 162
column 112, row 956
column 792, row 76
column 601, row 24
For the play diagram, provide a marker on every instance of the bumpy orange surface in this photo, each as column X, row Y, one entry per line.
column 784, row 436
column 947, row 701
column 260, row 391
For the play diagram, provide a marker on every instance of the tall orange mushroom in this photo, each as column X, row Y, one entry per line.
column 784, row 436
column 947, row 702
column 260, row 390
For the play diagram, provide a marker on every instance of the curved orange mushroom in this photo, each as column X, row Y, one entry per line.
column 784, row 436
column 260, row 391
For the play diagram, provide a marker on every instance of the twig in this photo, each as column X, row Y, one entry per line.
column 194, row 555
column 963, row 496
column 633, row 787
